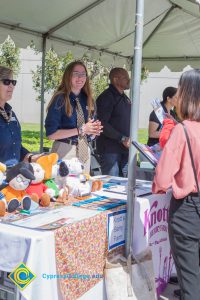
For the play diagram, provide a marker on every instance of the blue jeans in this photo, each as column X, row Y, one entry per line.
column 114, row 164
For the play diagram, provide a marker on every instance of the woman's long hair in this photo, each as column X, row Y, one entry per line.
column 188, row 96
column 65, row 88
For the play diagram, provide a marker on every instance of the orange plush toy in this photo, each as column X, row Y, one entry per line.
column 18, row 178
column 52, row 169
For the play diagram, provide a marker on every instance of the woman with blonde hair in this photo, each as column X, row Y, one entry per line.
column 69, row 121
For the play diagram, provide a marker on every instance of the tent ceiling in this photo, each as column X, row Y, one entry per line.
column 105, row 29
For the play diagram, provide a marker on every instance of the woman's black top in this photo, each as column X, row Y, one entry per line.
column 154, row 118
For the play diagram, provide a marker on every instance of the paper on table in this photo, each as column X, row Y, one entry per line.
column 75, row 214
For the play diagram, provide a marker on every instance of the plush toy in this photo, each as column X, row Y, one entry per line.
column 54, row 169
column 38, row 191
column 2, row 172
column 60, row 173
column 75, row 167
column 18, row 178
column 78, row 183
column 2, row 197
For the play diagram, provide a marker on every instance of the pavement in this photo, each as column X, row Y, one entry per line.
column 168, row 292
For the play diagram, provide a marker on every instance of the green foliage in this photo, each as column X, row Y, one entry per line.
column 98, row 75
column 143, row 135
column 31, row 137
column 99, row 84
column 144, row 73
column 10, row 55
column 55, row 66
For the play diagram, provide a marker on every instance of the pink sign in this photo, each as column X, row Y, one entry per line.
column 151, row 229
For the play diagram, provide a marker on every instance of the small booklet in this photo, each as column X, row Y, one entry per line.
column 158, row 109
column 56, row 224
column 151, row 153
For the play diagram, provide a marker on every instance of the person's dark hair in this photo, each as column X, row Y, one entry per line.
column 5, row 72
column 22, row 168
column 65, row 88
column 170, row 91
column 188, row 104
column 115, row 72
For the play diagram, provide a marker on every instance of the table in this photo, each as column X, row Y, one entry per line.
column 42, row 252
column 150, row 228
column 37, row 248
column 31, row 247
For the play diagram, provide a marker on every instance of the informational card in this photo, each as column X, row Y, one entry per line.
column 150, row 153
column 116, row 229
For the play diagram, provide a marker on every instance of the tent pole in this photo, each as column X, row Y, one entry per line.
column 135, row 97
column 44, row 40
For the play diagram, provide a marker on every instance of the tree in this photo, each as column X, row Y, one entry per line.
column 54, row 68
column 98, row 75
column 10, row 55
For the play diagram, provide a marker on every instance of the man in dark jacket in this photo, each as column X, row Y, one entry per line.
column 113, row 110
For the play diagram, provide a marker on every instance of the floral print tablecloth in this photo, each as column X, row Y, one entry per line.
column 81, row 251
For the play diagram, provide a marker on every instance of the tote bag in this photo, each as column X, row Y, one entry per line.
column 131, row 279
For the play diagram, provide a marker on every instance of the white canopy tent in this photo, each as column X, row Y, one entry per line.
column 106, row 29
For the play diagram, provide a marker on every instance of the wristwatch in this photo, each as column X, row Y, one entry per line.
column 80, row 131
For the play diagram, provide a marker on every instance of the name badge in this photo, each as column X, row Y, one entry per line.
column 13, row 119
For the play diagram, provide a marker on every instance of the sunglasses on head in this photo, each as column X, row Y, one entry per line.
column 9, row 81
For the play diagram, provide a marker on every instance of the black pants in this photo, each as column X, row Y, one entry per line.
column 184, row 235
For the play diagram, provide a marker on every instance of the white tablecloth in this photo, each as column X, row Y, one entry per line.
column 37, row 250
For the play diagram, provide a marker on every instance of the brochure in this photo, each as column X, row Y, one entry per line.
column 100, row 203
column 56, row 224
column 151, row 153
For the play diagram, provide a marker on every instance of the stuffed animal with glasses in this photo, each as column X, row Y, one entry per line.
column 18, row 178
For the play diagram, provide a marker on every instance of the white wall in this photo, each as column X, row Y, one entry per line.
column 24, row 98
column 28, row 109
column 152, row 88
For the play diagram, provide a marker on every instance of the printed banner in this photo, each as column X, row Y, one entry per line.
column 151, row 229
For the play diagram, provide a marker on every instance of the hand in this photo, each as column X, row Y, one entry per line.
column 92, row 127
column 168, row 116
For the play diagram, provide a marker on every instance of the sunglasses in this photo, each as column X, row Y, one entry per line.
column 9, row 81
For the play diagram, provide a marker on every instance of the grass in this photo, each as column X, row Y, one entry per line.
column 31, row 137
column 143, row 135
